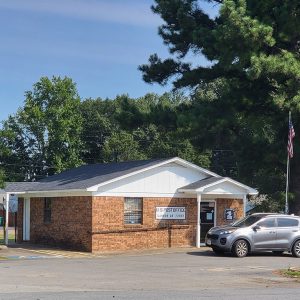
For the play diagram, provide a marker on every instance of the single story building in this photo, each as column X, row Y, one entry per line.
column 128, row 205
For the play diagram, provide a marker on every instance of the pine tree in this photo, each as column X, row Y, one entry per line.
column 254, row 46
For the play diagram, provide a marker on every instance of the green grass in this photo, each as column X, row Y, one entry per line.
column 11, row 238
column 291, row 272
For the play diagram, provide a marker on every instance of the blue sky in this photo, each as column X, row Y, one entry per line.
column 98, row 43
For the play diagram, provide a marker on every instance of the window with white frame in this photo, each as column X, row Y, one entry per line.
column 133, row 210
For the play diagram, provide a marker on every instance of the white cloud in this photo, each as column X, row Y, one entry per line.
column 129, row 12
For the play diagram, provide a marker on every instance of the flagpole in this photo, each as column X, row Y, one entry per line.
column 286, row 208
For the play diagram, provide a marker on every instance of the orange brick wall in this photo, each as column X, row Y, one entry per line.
column 111, row 234
column 70, row 224
column 97, row 223
column 222, row 204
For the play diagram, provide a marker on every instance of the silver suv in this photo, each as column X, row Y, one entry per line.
column 257, row 232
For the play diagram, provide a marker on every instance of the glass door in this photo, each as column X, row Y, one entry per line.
column 207, row 218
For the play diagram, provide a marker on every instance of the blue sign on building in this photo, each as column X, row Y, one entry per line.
column 229, row 214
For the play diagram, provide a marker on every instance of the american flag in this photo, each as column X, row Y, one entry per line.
column 291, row 136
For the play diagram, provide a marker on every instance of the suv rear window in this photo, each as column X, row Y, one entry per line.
column 285, row 222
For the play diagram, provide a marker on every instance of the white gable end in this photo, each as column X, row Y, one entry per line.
column 161, row 181
column 225, row 188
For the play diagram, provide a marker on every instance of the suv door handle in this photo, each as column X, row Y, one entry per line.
column 272, row 231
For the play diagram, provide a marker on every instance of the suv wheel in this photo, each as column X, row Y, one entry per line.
column 296, row 249
column 240, row 248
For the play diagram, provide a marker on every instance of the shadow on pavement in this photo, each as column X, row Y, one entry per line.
column 29, row 246
column 228, row 254
column 203, row 253
column 270, row 254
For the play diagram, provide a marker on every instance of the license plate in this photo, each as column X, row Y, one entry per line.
column 208, row 242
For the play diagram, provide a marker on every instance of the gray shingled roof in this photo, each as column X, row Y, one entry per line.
column 83, row 177
column 201, row 183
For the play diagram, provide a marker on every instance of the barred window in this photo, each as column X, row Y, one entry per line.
column 47, row 210
column 133, row 211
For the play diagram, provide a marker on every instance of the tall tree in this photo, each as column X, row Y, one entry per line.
column 44, row 135
column 248, row 40
column 98, row 125
column 253, row 46
column 121, row 146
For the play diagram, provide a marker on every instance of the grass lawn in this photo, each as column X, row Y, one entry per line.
column 11, row 237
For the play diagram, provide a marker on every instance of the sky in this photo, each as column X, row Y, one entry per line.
column 98, row 43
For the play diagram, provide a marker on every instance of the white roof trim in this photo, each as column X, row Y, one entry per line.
column 49, row 191
column 15, row 193
column 193, row 166
column 55, row 191
column 250, row 190
column 178, row 160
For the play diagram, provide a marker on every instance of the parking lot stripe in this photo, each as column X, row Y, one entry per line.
column 62, row 253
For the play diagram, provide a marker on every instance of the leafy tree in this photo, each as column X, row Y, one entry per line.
column 121, row 146
column 14, row 154
column 2, row 178
column 44, row 135
column 98, row 124
column 51, row 112
column 128, row 112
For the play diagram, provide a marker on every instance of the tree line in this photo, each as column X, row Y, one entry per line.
column 56, row 130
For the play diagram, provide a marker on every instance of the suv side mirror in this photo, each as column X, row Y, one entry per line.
column 256, row 227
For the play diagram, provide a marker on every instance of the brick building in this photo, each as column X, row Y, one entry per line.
column 129, row 205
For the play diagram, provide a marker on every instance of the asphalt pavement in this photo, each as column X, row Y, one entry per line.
column 160, row 274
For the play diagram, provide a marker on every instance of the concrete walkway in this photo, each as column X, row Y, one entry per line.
column 30, row 251
column 21, row 251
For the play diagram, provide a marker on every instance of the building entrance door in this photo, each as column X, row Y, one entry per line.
column 207, row 218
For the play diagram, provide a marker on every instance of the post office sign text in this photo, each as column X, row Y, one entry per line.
column 170, row 213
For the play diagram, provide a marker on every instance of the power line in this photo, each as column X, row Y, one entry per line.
column 25, row 165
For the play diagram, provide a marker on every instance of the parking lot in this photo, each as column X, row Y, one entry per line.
column 161, row 274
